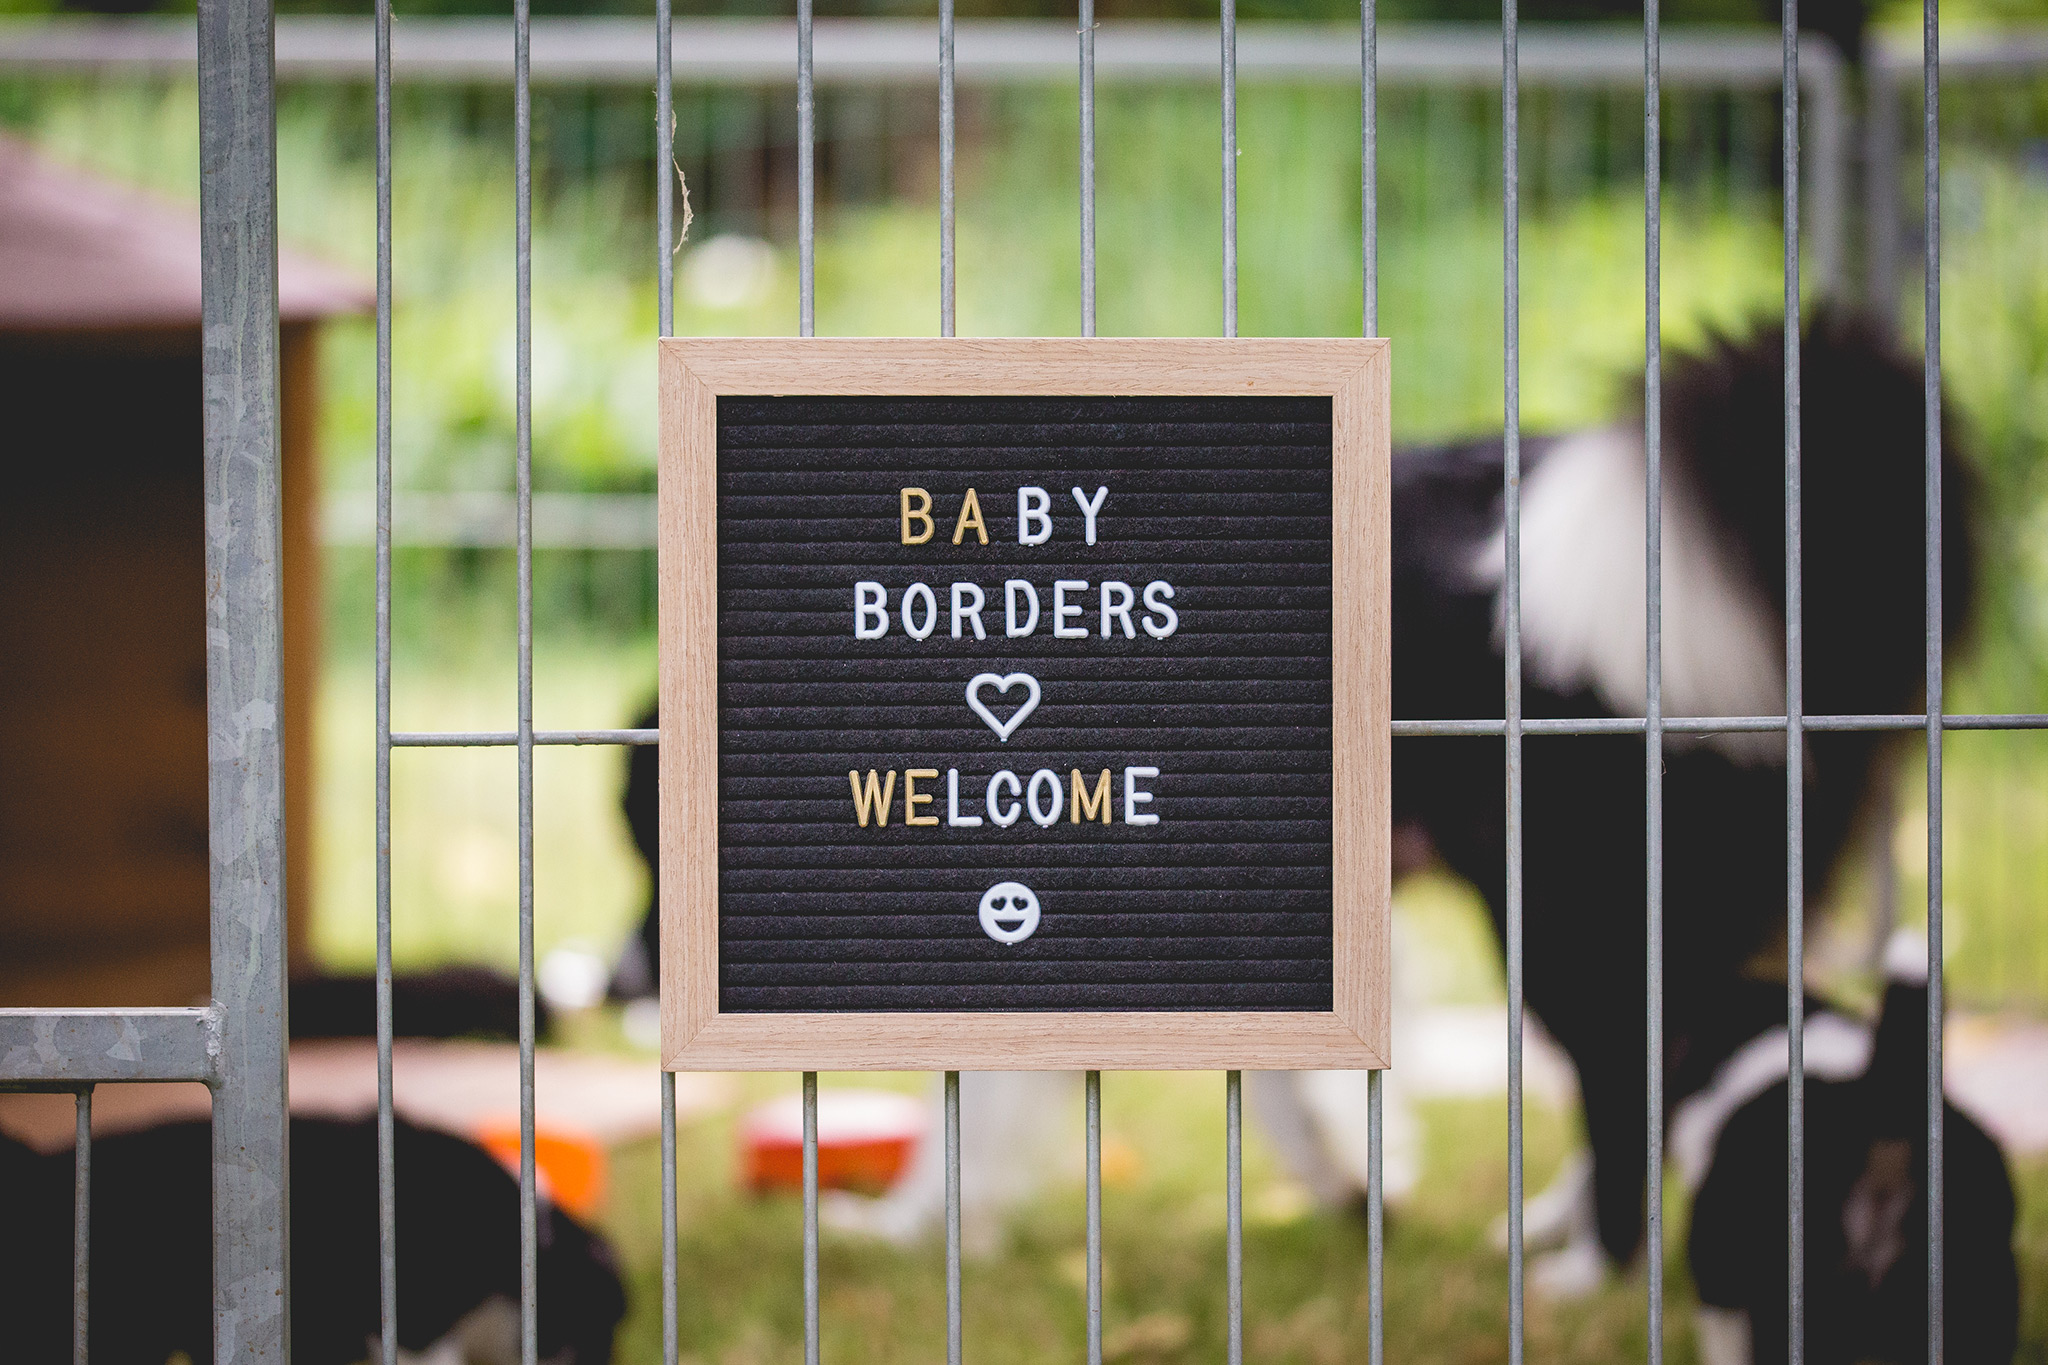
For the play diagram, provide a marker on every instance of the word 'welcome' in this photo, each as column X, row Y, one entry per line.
column 1006, row 799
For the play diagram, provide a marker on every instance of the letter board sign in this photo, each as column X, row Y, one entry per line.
column 1024, row 703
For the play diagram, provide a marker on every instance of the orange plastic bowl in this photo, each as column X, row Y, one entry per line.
column 572, row 1168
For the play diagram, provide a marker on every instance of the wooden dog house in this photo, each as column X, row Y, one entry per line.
column 103, row 802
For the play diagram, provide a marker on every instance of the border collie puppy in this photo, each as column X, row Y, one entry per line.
column 152, row 1260
column 1866, row 1198
column 1583, row 615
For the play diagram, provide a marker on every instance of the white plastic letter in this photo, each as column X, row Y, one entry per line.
column 953, row 816
column 1134, row 797
column 1118, row 610
column 1052, row 782
column 866, row 609
column 1062, row 609
column 1157, row 592
column 931, row 611
column 1010, row 626
column 1034, row 515
column 1089, row 509
column 1004, row 777
column 962, row 610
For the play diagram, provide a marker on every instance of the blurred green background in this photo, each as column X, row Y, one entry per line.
column 454, row 852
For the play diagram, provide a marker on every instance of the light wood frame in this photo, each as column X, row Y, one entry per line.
column 695, row 1036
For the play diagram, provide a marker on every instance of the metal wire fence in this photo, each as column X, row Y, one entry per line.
column 236, row 1044
column 1654, row 725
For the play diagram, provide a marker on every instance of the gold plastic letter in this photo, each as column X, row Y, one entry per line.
column 921, row 510
column 1087, row 803
column 970, row 515
column 913, row 798
column 873, row 801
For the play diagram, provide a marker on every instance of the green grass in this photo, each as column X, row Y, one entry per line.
column 1163, row 1234
column 1163, row 1238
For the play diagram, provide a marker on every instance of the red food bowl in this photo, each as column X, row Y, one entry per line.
column 865, row 1141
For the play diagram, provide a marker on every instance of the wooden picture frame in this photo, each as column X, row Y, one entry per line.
column 694, row 373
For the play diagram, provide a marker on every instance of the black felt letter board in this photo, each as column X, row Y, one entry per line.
column 1223, row 902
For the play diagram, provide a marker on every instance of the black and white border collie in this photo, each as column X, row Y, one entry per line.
column 152, row 1261
column 1583, row 623
column 1865, row 1194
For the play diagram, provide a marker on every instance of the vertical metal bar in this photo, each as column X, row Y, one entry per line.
column 1511, row 589
column 1094, row 1125
column 387, row 1136
column 529, row 1206
column 1795, row 733
column 1233, row 1081
column 671, row 1306
column 81, row 1230
column 1369, row 158
column 1233, row 1160
column 946, row 179
column 1087, row 168
column 806, row 229
column 1229, row 167
column 665, row 185
column 242, row 461
column 665, row 324
column 1930, row 63
column 806, row 177
column 952, row 1216
column 1369, row 235
column 1375, row 1222
column 1653, row 656
column 810, row 1218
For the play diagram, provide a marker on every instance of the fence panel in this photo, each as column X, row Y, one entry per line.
column 237, row 1044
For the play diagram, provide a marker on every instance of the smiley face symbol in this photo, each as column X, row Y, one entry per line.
column 1009, row 912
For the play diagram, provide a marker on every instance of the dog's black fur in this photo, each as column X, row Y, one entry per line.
column 1724, row 819
column 1866, row 1215
column 152, row 1264
column 444, row 1002
column 638, row 971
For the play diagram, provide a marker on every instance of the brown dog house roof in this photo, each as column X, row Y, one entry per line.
column 79, row 253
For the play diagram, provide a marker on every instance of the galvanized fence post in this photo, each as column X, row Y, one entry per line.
column 244, row 678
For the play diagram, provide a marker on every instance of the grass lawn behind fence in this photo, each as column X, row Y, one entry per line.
column 1163, row 1237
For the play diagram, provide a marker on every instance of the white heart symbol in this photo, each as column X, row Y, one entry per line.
column 1002, row 684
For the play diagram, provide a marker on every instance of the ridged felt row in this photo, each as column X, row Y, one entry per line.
column 1224, row 904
